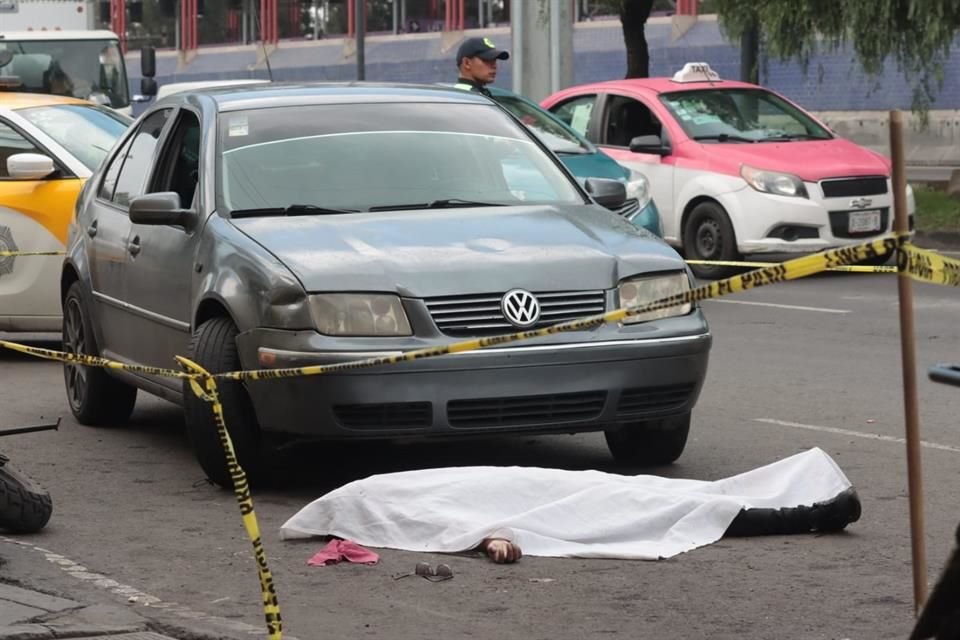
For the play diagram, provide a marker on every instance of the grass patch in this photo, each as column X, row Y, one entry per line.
column 936, row 211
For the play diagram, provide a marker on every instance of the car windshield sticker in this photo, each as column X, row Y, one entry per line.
column 581, row 117
column 238, row 127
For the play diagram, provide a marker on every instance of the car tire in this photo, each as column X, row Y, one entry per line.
column 708, row 235
column 95, row 397
column 650, row 442
column 214, row 347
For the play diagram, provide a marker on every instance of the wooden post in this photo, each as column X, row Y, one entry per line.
column 909, row 364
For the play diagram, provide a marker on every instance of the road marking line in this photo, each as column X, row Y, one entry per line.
column 857, row 434
column 784, row 306
column 136, row 596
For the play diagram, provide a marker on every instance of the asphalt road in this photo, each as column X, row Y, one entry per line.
column 797, row 365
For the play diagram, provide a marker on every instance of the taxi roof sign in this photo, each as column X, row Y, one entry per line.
column 696, row 72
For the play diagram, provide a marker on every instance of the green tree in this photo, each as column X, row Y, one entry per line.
column 914, row 34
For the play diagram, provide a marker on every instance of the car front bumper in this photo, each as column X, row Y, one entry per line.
column 522, row 388
column 766, row 223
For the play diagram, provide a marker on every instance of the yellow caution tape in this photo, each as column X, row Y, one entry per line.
column 91, row 361
column 241, row 489
column 789, row 270
column 929, row 266
column 13, row 254
column 854, row 268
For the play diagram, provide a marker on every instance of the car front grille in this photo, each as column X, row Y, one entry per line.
column 396, row 415
column 480, row 315
column 548, row 409
column 850, row 187
column 840, row 224
column 651, row 400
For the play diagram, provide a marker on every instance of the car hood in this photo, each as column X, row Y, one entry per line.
column 462, row 251
column 810, row 160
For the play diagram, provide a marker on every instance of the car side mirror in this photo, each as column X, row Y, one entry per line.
column 650, row 144
column 30, row 166
column 148, row 62
column 161, row 208
column 148, row 87
column 609, row 193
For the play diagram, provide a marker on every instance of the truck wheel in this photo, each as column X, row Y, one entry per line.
column 649, row 442
column 95, row 397
column 25, row 506
column 214, row 347
column 708, row 235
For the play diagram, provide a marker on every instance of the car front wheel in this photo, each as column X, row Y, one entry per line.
column 649, row 442
column 708, row 235
column 94, row 396
column 214, row 347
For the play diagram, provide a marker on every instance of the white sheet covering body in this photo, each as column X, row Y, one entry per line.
column 551, row 512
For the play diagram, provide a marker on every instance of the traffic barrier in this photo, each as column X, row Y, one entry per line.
column 920, row 264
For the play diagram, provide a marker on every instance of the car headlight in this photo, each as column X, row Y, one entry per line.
column 638, row 187
column 359, row 314
column 637, row 292
column 780, row 184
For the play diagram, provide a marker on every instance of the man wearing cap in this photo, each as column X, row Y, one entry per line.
column 477, row 63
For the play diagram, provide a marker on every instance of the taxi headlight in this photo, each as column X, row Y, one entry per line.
column 359, row 314
column 638, row 187
column 774, row 182
column 637, row 292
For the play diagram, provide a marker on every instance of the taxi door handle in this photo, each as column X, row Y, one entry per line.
column 92, row 229
column 134, row 246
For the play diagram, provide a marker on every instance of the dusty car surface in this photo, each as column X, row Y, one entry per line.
column 279, row 226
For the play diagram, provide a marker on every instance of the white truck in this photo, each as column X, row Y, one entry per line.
column 51, row 47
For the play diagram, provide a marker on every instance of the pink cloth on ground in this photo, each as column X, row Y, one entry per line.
column 337, row 550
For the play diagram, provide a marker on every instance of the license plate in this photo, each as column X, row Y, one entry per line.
column 862, row 221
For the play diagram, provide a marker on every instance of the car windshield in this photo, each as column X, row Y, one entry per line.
column 86, row 131
column 551, row 132
column 741, row 115
column 383, row 156
column 88, row 69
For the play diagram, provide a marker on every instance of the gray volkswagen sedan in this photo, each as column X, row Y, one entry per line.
column 279, row 226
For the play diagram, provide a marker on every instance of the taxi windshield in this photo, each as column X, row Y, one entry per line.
column 311, row 160
column 87, row 69
column 741, row 115
column 86, row 131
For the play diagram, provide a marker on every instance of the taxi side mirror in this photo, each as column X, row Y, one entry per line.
column 29, row 166
column 650, row 144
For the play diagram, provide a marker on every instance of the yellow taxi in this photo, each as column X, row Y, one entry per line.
column 49, row 146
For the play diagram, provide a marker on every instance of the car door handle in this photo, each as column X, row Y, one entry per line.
column 134, row 246
column 92, row 229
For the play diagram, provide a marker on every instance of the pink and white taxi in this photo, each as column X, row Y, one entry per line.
column 734, row 168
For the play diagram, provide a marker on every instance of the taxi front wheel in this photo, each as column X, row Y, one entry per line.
column 649, row 442
column 708, row 235
column 95, row 397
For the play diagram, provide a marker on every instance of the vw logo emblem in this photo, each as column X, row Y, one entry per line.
column 860, row 203
column 520, row 307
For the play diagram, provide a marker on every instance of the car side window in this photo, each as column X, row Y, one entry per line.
column 180, row 164
column 137, row 159
column 576, row 113
column 12, row 142
column 627, row 119
column 109, row 182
